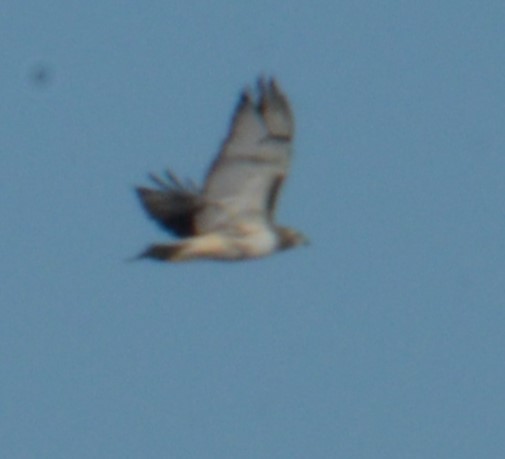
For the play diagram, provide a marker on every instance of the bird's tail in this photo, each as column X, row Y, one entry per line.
column 208, row 246
column 163, row 252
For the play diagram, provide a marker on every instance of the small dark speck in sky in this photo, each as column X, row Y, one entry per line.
column 40, row 75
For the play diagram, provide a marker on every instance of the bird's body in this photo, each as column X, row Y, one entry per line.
column 231, row 218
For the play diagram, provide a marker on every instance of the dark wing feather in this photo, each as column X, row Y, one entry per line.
column 273, row 195
column 173, row 205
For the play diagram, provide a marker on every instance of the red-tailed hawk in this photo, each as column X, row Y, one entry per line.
column 232, row 216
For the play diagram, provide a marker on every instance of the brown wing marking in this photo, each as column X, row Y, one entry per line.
column 273, row 195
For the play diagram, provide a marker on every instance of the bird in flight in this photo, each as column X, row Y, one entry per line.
column 232, row 216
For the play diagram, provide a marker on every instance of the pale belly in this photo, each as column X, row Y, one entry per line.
column 242, row 242
column 256, row 244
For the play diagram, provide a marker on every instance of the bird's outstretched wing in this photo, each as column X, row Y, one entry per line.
column 245, row 178
column 172, row 204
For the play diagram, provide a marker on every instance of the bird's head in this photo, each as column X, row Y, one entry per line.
column 289, row 238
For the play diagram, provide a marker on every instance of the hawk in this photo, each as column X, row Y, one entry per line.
column 232, row 216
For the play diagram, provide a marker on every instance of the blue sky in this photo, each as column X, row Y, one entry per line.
column 383, row 339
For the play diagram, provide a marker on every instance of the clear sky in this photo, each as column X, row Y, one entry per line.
column 383, row 339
